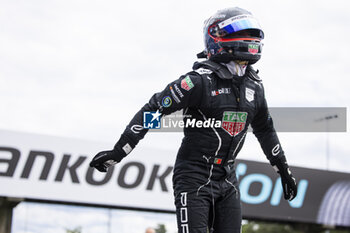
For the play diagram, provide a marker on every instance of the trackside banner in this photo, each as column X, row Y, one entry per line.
column 57, row 169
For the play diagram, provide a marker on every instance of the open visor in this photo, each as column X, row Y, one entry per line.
column 238, row 23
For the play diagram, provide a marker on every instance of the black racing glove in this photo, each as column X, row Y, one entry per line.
column 104, row 159
column 289, row 184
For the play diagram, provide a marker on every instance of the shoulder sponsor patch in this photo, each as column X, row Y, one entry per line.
column 187, row 83
column 249, row 94
column 203, row 71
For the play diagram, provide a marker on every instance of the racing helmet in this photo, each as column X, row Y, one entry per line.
column 232, row 34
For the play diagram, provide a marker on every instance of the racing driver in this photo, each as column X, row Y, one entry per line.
column 223, row 87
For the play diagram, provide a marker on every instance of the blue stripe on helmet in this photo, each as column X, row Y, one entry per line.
column 241, row 25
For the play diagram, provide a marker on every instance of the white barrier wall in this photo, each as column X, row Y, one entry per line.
column 52, row 168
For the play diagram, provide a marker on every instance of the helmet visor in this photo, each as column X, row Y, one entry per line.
column 238, row 23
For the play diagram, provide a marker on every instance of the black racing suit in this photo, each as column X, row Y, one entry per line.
column 204, row 180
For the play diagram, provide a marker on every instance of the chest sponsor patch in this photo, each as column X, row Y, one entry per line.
column 249, row 94
column 234, row 122
column 221, row 91
column 187, row 83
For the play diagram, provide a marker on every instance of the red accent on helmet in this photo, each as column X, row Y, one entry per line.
column 220, row 39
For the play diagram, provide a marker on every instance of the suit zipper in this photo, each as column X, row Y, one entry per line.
column 238, row 94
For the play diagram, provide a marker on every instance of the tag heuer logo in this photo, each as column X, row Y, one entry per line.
column 186, row 83
column 253, row 48
column 234, row 122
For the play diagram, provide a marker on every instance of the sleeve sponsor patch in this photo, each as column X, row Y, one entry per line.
column 166, row 102
column 178, row 91
column 177, row 100
column 127, row 148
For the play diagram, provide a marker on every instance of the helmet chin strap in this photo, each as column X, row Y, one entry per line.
column 237, row 68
